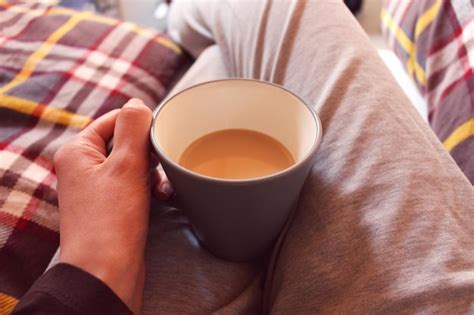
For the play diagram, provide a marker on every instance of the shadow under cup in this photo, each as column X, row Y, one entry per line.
column 236, row 219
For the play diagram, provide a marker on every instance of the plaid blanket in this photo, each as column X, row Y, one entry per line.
column 435, row 41
column 60, row 69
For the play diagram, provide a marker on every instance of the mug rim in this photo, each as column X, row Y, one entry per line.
column 283, row 172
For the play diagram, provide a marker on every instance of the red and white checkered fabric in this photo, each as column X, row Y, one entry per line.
column 59, row 70
column 435, row 41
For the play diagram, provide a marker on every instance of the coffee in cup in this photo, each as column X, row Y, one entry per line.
column 269, row 135
column 236, row 154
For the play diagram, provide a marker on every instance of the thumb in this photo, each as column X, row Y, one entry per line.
column 131, row 134
column 87, row 146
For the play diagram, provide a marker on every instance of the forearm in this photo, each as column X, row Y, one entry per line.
column 66, row 289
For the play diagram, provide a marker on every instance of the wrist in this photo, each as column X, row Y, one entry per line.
column 119, row 271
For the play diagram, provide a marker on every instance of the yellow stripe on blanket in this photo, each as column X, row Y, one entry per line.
column 42, row 51
column 96, row 18
column 148, row 34
column 423, row 22
column 460, row 134
column 48, row 113
column 399, row 34
column 413, row 67
column 7, row 303
column 426, row 18
column 35, row 12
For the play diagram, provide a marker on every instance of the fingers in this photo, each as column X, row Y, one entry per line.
column 100, row 131
column 154, row 160
column 89, row 145
column 103, row 126
column 131, row 136
column 162, row 188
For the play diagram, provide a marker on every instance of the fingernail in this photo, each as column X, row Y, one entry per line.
column 163, row 194
column 166, row 189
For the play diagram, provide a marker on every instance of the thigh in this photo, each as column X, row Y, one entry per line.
column 181, row 276
column 384, row 222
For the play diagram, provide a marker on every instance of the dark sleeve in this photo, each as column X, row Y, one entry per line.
column 66, row 289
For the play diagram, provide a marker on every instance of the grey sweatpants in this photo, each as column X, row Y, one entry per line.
column 385, row 222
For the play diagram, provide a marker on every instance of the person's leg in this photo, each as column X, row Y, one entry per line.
column 181, row 276
column 385, row 220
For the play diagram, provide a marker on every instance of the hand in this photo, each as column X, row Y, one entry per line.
column 161, row 186
column 104, row 201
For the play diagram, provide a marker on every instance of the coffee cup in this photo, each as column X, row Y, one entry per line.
column 236, row 219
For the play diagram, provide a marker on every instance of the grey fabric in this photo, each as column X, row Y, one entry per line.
column 385, row 221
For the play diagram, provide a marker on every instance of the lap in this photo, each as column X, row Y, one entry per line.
column 381, row 223
column 181, row 276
